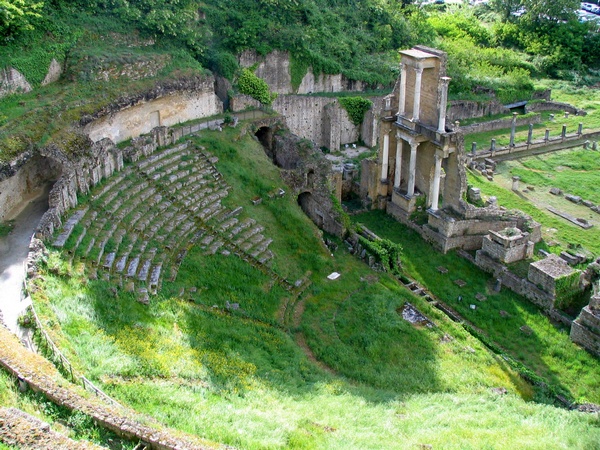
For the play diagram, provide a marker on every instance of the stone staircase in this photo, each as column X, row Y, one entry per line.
column 146, row 218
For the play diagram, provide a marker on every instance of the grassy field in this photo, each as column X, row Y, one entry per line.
column 75, row 425
column 244, row 378
column 586, row 98
column 548, row 350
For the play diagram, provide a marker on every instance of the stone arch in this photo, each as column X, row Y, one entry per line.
column 311, row 208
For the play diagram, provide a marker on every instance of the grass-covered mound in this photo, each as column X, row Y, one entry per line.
column 248, row 377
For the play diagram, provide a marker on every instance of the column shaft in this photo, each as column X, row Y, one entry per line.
column 412, row 169
column 443, row 103
column 435, row 194
column 402, row 95
column 398, row 175
column 417, row 98
column 385, row 157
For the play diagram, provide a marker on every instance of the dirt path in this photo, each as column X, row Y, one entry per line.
column 13, row 253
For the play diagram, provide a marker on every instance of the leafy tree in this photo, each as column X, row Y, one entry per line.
column 18, row 15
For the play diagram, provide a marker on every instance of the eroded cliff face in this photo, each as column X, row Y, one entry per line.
column 274, row 68
column 168, row 104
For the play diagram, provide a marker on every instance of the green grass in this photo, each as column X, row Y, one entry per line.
column 585, row 98
column 553, row 228
column 548, row 351
column 75, row 425
column 241, row 378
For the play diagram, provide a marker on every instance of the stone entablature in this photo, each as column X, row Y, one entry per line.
column 546, row 272
column 508, row 245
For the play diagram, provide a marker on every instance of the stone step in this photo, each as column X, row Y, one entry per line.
column 215, row 246
column 241, row 226
column 68, row 227
column 261, row 248
column 265, row 257
column 247, row 234
column 157, row 156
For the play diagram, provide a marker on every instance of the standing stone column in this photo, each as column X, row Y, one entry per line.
column 402, row 94
column 443, row 103
column 417, row 98
column 435, row 195
column 412, row 168
column 530, row 133
column 513, row 127
column 386, row 156
column 398, row 174
column 515, row 183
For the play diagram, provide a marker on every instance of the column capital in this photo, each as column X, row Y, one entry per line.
column 418, row 69
column 445, row 80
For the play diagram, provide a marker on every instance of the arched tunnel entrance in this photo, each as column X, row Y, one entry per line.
column 311, row 208
column 265, row 137
column 23, row 202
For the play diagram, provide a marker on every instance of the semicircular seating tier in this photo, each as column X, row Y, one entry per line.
column 141, row 222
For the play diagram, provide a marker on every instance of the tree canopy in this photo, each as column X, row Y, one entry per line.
column 18, row 15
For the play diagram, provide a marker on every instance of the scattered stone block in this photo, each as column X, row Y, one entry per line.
column 460, row 283
column 414, row 316
column 587, row 203
column 556, row 191
column 526, row 330
column 256, row 201
column 333, row 276
column 143, row 296
column 473, row 306
column 479, row 296
column 573, row 198
column 500, row 391
column 504, row 313
column 442, row 269
column 531, row 188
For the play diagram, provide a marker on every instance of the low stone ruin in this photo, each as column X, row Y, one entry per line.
column 585, row 330
column 508, row 245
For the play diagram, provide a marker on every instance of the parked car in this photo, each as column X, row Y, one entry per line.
column 587, row 6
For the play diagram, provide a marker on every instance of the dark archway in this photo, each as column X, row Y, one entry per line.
column 265, row 137
column 311, row 208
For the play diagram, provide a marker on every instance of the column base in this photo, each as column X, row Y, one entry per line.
column 404, row 202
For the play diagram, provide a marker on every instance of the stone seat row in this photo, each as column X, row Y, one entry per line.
column 171, row 196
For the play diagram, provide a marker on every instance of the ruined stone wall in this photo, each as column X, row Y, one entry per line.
column 318, row 119
column 499, row 124
column 465, row 109
column 79, row 173
column 516, row 284
column 167, row 110
column 553, row 106
column 311, row 180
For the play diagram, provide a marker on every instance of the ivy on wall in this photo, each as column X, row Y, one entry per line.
column 257, row 88
column 566, row 289
column 356, row 107
column 386, row 251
